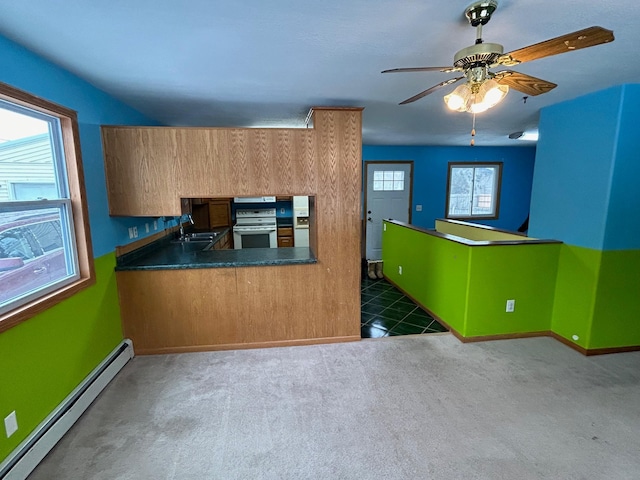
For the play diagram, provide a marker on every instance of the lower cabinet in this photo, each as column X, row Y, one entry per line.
column 285, row 237
column 196, row 309
column 224, row 243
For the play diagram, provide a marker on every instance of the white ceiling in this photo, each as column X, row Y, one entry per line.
column 264, row 63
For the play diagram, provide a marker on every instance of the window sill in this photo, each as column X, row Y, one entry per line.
column 31, row 309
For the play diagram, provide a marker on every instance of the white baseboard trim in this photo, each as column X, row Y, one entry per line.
column 26, row 457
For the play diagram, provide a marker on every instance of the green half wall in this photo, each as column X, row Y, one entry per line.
column 588, row 297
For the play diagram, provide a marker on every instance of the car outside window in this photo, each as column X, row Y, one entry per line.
column 45, row 251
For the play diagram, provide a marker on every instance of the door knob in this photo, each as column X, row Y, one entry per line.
column 369, row 219
column 369, row 212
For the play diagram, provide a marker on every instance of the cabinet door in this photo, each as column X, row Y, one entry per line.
column 223, row 243
column 219, row 213
column 285, row 241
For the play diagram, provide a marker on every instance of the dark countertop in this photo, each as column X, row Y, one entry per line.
column 166, row 255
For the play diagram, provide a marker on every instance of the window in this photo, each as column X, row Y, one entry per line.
column 45, row 250
column 385, row 180
column 473, row 190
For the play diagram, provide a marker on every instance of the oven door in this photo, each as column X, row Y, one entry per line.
column 252, row 237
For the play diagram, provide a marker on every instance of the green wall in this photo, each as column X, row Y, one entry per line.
column 616, row 313
column 55, row 351
column 467, row 286
column 576, row 285
column 597, row 297
column 524, row 273
column 44, row 358
column 435, row 272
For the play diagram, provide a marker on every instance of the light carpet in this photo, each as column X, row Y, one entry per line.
column 412, row 407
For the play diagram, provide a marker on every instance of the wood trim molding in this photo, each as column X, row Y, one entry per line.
column 473, row 165
column 130, row 247
column 505, row 336
column 511, row 336
column 77, row 193
column 245, row 346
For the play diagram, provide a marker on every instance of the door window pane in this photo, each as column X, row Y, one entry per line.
column 388, row 180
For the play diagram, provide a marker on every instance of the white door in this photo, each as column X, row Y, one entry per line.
column 387, row 197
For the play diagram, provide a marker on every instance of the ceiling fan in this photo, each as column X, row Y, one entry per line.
column 484, row 88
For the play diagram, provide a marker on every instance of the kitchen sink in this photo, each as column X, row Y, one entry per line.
column 201, row 237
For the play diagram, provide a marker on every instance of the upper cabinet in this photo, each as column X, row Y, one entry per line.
column 149, row 169
column 141, row 171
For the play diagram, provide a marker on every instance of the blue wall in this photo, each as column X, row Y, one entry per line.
column 623, row 221
column 430, row 170
column 572, row 178
column 24, row 70
column 587, row 168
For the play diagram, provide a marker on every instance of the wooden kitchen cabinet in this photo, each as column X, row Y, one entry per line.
column 194, row 309
column 219, row 212
column 285, row 237
column 224, row 243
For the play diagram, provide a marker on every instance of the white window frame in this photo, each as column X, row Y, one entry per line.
column 495, row 194
column 388, row 180
column 72, row 205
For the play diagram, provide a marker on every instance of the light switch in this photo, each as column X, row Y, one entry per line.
column 418, row 208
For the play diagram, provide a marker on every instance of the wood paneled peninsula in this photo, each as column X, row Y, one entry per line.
column 311, row 297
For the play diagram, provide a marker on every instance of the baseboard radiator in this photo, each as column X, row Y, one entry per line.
column 25, row 458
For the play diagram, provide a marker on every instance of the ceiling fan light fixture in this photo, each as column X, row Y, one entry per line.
column 463, row 98
column 493, row 92
column 459, row 98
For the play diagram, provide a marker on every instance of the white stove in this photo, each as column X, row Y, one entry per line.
column 255, row 228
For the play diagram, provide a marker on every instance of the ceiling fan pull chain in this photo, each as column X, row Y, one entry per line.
column 473, row 130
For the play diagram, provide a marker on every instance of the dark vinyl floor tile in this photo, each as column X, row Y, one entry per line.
column 367, row 331
column 418, row 320
column 436, row 327
column 383, row 323
column 405, row 329
column 385, row 311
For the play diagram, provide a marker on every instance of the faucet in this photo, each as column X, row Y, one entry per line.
column 181, row 227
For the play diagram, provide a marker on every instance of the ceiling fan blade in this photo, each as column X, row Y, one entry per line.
column 588, row 37
column 422, row 69
column 431, row 90
column 524, row 83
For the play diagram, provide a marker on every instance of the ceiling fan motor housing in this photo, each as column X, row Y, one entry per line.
column 478, row 55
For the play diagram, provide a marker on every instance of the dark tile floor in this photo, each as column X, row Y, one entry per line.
column 387, row 312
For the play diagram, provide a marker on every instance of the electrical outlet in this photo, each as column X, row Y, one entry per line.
column 11, row 424
column 511, row 306
column 146, row 227
column 418, row 208
column 135, row 232
column 399, row 269
column 155, row 224
column 130, row 232
column 282, row 211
